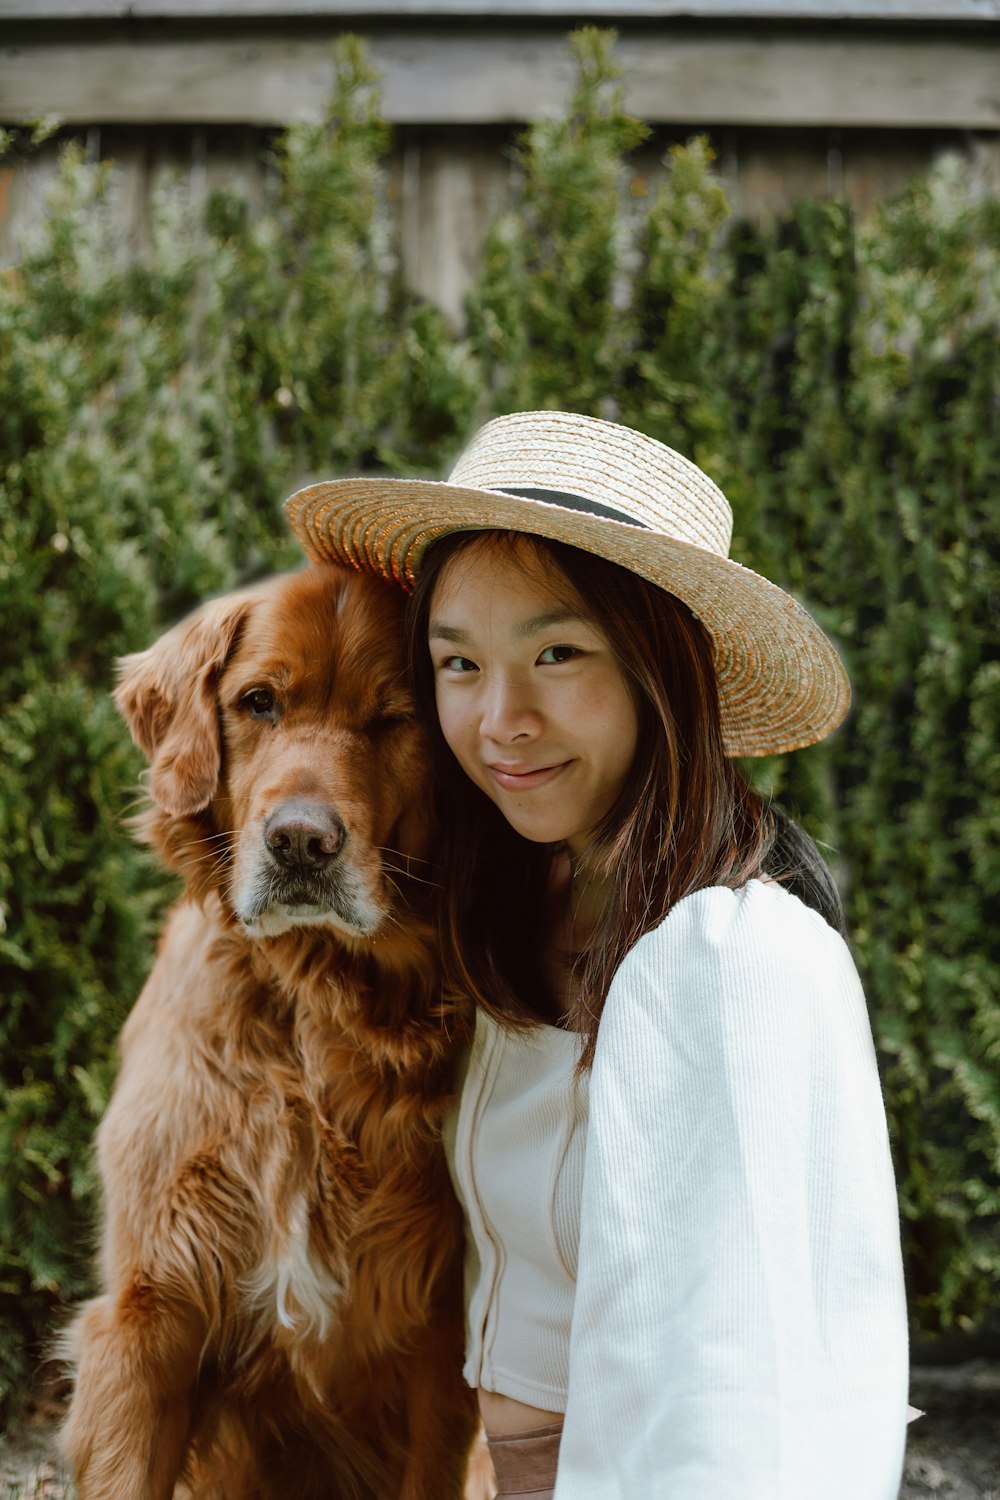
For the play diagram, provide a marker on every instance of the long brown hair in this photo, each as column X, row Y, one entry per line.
column 685, row 819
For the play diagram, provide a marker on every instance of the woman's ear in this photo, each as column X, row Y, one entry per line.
column 168, row 697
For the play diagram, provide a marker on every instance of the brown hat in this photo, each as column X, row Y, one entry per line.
column 624, row 496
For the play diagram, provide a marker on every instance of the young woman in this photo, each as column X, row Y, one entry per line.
column 684, row 1277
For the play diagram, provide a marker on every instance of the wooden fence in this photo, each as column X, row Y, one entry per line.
column 799, row 98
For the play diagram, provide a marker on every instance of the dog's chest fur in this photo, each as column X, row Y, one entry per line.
column 337, row 1145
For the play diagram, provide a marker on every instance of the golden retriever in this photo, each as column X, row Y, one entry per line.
column 281, row 1251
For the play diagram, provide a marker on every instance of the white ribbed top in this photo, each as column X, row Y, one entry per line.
column 737, row 1328
column 522, row 1106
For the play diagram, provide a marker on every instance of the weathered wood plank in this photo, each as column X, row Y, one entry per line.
column 448, row 193
column 490, row 75
column 785, row 10
column 445, row 187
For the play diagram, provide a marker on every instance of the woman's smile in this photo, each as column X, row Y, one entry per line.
column 523, row 778
column 530, row 698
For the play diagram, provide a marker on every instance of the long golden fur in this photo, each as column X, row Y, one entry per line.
column 281, row 1253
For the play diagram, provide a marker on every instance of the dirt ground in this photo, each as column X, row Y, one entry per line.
column 953, row 1451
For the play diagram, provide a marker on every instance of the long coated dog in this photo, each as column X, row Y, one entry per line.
column 281, row 1250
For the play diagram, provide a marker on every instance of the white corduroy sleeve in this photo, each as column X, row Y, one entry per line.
column 739, row 1327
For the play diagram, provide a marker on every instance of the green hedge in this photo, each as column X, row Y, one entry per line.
column 839, row 379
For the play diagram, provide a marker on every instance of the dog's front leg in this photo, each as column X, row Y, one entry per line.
column 442, row 1417
column 137, row 1358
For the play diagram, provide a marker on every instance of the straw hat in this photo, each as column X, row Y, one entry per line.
column 620, row 494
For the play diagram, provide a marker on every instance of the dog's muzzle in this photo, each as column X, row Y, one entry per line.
column 304, row 875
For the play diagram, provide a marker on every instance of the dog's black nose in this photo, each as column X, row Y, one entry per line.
column 304, row 835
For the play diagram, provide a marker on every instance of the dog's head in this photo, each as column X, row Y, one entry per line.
column 286, row 766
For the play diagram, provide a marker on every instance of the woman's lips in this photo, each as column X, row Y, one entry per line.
column 515, row 779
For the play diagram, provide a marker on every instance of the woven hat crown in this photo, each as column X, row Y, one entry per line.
column 625, row 474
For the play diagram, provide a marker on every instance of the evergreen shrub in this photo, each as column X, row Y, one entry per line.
column 838, row 379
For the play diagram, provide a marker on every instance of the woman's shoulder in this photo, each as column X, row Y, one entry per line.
column 748, row 983
column 757, row 918
column 740, row 945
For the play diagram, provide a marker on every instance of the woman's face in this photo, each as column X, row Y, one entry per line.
column 531, row 700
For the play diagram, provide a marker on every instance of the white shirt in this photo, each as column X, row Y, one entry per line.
column 737, row 1326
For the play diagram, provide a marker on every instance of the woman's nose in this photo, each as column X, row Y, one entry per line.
column 509, row 711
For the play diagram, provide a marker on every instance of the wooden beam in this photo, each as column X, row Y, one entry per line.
column 605, row 10
column 492, row 76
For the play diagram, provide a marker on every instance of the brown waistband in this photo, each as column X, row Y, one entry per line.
column 525, row 1462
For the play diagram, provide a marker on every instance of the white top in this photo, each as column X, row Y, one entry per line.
column 706, row 1277
column 522, row 1111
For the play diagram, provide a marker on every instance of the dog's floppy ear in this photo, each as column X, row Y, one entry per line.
column 167, row 696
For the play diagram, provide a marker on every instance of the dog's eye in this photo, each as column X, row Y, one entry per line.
column 389, row 713
column 259, row 702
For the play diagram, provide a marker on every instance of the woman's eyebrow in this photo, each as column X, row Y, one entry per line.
column 437, row 631
column 552, row 617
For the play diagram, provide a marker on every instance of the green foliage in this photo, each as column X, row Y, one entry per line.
column 926, row 570
column 543, row 316
column 326, row 361
column 675, row 383
column 838, row 380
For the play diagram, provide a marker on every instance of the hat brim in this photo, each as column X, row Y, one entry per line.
column 781, row 683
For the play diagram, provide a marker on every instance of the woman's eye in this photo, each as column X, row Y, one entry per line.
column 552, row 655
column 260, row 702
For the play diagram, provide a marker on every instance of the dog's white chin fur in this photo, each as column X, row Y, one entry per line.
column 353, row 910
column 275, row 920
